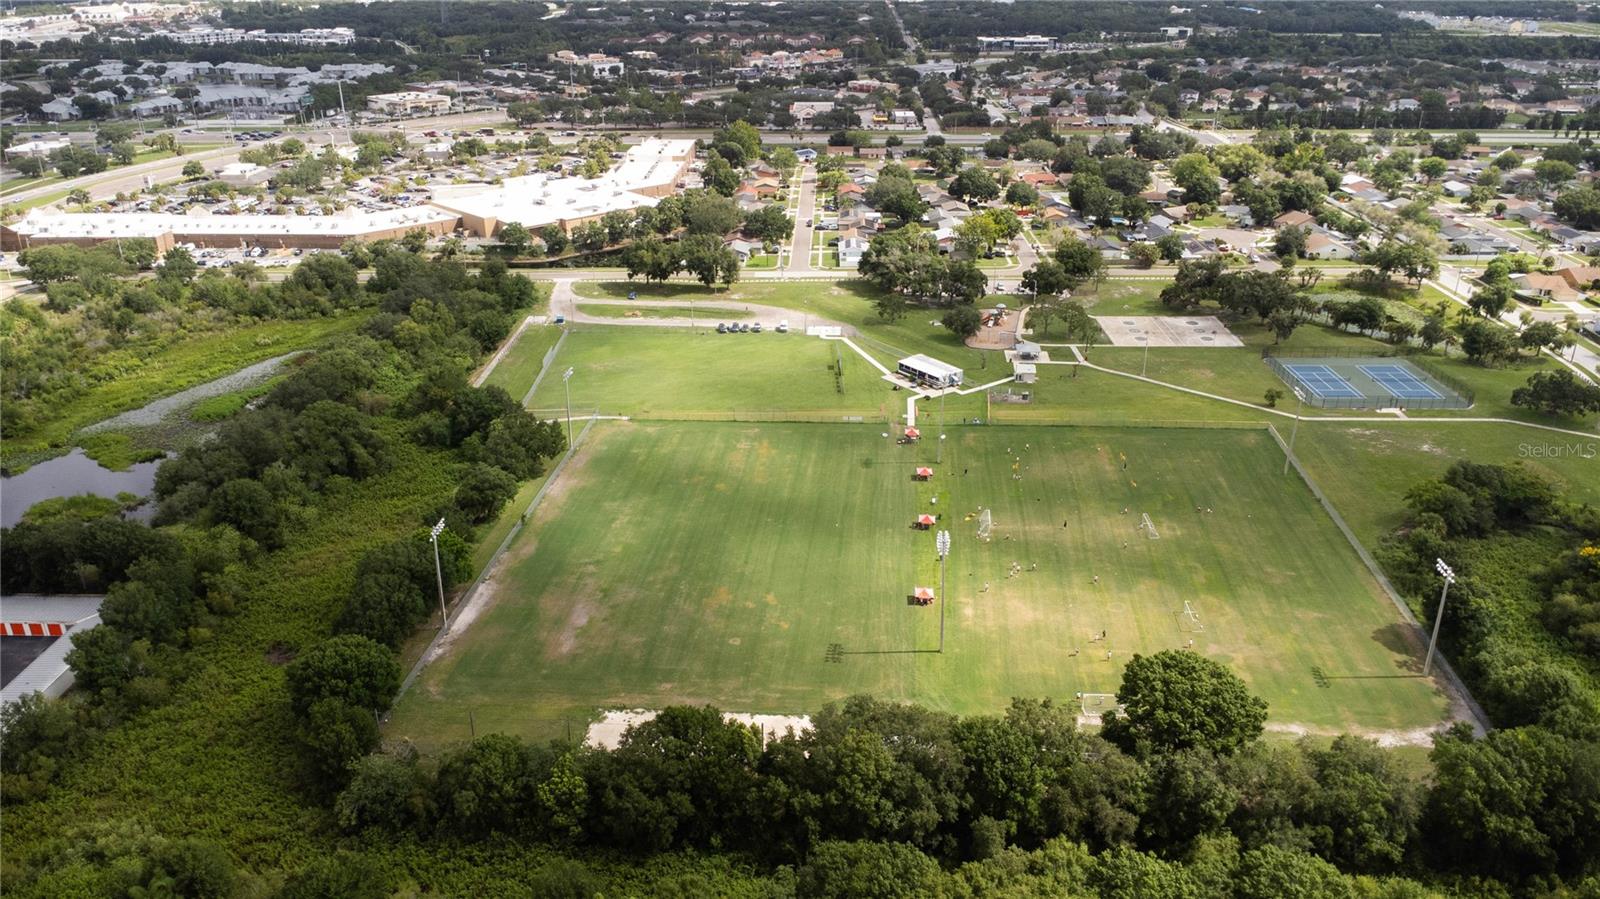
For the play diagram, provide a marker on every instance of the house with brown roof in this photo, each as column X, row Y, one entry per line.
column 1537, row 288
column 1580, row 277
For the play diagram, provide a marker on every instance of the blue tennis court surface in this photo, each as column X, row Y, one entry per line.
column 1401, row 382
column 1323, row 381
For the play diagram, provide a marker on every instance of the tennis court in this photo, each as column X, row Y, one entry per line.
column 1400, row 382
column 1322, row 381
column 1368, row 382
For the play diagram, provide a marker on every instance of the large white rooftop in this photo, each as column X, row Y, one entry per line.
column 112, row 225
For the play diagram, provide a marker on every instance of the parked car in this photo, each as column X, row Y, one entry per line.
column 755, row 328
column 783, row 327
column 722, row 328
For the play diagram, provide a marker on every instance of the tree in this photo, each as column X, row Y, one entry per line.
column 1178, row 700
column 1021, row 193
column 1433, row 168
column 514, row 237
column 555, row 240
column 52, row 262
column 896, row 196
column 1197, row 176
column 710, row 214
column 741, row 133
column 974, row 184
column 1558, row 392
column 1125, row 174
column 193, row 169
column 1514, row 804
column 1552, row 173
column 179, row 265
column 963, row 320
column 250, row 509
column 1079, row 261
column 347, row 668
column 1290, row 242
column 1486, row 343
column 335, row 734
column 769, row 224
column 1580, row 206
column 1272, row 872
column 837, row 870
column 483, row 491
column 1046, row 278
column 719, row 176
column 1143, row 254
column 342, row 876
column 1170, row 246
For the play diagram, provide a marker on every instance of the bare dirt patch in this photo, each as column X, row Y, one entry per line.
column 607, row 732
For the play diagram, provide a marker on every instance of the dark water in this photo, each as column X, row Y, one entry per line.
column 72, row 475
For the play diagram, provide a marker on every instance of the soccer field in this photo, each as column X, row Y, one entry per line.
column 767, row 568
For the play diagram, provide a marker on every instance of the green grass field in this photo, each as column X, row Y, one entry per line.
column 766, row 568
column 674, row 372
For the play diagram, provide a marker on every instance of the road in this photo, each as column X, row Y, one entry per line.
column 911, row 42
column 800, row 243
column 1452, row 282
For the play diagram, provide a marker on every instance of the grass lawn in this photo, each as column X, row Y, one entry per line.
column 766, row 568
column 703, row 313
column 847, row 301
column 676, row 372
column 1120, row 297
column 520, row 365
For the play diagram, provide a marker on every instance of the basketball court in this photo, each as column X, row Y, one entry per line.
column 1167, row 331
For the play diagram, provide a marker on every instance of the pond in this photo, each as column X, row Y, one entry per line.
column 72, row 475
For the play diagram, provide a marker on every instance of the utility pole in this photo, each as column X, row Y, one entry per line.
column 1449, row 575
column 1145, row 363
column 566, row 381
column 438, row 572
column 942, row 543
column 1300, row 398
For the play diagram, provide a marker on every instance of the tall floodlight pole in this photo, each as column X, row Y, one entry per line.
column 1300, row 400
column 566, row 381
column 1145, row 361
column 939, row 454
column 438, row 571
column 1449, row 575
column 942, row 543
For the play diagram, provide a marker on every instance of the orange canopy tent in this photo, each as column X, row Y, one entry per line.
column 923, row 595
column 925, row 521
column 924, row 473
column 913, row 433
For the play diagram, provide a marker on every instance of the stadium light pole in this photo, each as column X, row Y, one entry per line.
column 566, row 381
column 1449, row 575
column 939, row 454
column 1300, row 400
column 942, row 543
column 438, row 571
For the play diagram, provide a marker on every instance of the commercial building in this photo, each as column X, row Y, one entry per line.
column 649, row 171
column 1030, row 43
column 409, row 103
column 221, row 231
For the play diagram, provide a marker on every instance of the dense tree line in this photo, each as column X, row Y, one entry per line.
column 1177, row 796
column 1524, row 634
column 336, row 420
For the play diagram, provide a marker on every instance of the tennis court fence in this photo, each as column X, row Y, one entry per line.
column 1456, row 394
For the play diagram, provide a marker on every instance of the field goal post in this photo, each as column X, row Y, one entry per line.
column 1095, row 705
column 1148, row 526
column 985, row 525
column 1189, row 619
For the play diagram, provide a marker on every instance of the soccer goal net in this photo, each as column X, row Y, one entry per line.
column 985, row 525
column 1189, row 620
column 1148, row 526
column 1097, row 704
